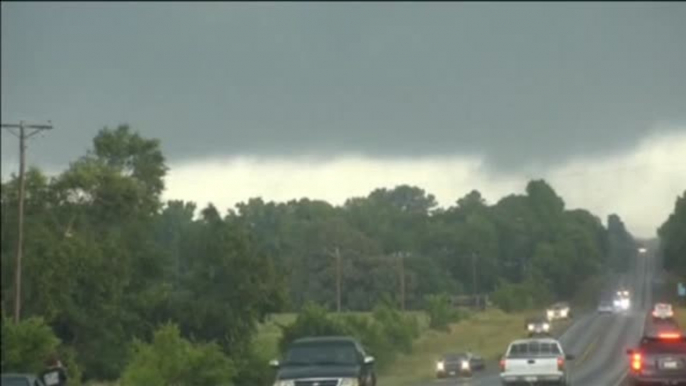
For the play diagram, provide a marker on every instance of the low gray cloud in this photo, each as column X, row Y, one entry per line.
column 517, row 83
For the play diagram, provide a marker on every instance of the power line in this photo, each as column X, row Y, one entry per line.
column 23, row 136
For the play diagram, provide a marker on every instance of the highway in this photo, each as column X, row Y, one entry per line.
column 599, row 342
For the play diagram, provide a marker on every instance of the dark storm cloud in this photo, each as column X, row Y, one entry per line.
column 518, row 83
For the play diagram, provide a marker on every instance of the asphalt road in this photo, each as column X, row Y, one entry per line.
column 599, row 342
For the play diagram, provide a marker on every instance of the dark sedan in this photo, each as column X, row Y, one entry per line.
column 458, row 365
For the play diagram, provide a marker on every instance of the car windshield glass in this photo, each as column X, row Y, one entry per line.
column 14, row 381
column 529, row 349
column 454, row 357
column 329, row 353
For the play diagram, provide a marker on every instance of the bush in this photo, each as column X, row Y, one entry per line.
column 383, row 335
column 173, row 360
column 441, row 312
column 396, row 327
column 312, row 321
column 252, row 368
column 527, row 295
column 26, row 345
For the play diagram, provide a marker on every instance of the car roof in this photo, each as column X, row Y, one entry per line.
column 535, row 340
column 327, row 339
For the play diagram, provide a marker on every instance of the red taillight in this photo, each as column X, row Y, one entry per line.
column 502, row 364
column 636, row 363
column 669, row 335
column 560, row 363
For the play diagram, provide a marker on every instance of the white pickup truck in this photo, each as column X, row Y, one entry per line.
column 535, row 361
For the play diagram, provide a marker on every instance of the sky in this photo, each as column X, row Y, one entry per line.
column 332, row 100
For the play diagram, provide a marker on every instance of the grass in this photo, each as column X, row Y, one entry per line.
column 487, row 334
column 680, row 314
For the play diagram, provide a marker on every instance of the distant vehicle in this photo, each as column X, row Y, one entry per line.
column 622, row 300
column 325, row 361
column 606, row 307
column 663, row 311
column 537, row 326
column 530, row 361
column 660, row 358
column 642, row 250
column 15, row 379
column 459, row 365
column 559, row 311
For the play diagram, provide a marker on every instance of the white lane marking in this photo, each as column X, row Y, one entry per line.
column 622, row 377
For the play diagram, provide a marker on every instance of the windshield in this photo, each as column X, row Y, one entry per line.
column 15, row 381
column 334, row 354
column 454, row 357
column 521, row 350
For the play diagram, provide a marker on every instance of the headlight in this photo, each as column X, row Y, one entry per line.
column 546, row 326
column 349, row 382
column 465, row 365
column 530, row 327
column 440, row 366
column 285, row 383
column 550, row 314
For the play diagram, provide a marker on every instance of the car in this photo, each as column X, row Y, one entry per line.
column 622, row 300
column 558, row 311
column 325, row 361
column 606, row 307
column 538, row 326
column 660, row 358
column 663, row 311
column 17, row 379
column 459, row 365
column 535, row 360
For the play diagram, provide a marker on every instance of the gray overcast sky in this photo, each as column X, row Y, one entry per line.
column 516, row 83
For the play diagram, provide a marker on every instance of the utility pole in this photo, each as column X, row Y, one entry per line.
column 23, row 136
column 338, row 279
column 402, row 281
column 475, row 289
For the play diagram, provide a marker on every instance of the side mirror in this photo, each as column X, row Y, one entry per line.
column 570, row 357
column 368, row 360
column 274, row 363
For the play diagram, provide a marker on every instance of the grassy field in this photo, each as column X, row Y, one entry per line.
column 486, row 333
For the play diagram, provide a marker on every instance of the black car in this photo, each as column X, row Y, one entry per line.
column 660, row 358
column 325, row 361
column 14, row 379
column 456, row 365
column 537, row 326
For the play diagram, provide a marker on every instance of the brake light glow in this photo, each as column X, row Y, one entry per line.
column 560, row 364
column 669, row 335
column 636, row 363
column 502, row 364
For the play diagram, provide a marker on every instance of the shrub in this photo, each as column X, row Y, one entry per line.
column 312, row 321
column 26, row 345
column 172, row 360
column 396, row 327
column 511, row 297
column 441, row 312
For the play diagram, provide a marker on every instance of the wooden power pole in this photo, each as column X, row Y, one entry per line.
column 402, row 281
column 338, row 279
column 23, row 136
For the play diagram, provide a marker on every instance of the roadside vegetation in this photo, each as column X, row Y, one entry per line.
column 109, row 265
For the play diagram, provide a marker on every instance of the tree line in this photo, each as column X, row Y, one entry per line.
column 107, row 261
column 673, row 238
